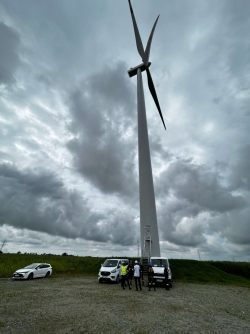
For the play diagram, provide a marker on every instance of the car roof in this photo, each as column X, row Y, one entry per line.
column 38, row 263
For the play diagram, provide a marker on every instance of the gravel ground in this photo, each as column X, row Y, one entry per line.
column 82, row 305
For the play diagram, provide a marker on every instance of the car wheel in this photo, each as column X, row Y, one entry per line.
column 117, row 279
column 47, row 274
column 30, row 276
column 100, row 280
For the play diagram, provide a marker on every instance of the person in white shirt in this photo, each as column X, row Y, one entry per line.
column 137, row 276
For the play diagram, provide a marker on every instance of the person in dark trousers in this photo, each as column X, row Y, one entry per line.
column 141, row 273
column 130, row 270
column 151, row 283
column 124, row 277
column 166, row 273
column 137, row 276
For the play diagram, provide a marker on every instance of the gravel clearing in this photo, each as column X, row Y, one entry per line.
column 82, row 305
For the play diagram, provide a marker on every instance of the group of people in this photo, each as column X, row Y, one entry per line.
column 129, row 271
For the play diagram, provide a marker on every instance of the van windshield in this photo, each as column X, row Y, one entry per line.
column 159, row 262
column 110, row 263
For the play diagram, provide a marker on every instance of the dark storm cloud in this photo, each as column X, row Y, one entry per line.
column 41, row 184
column 198, row 184
column 38, row 200
column 240, row 176
column 9, row 59
column 104, row 119
column 188, row 191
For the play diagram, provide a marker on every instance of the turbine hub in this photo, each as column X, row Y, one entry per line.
column 133, row 71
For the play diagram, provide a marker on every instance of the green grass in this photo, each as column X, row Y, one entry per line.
column 191, row 271
column 236, row 268
column 186, row 271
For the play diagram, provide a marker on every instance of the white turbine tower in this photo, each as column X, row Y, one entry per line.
column 150, row 245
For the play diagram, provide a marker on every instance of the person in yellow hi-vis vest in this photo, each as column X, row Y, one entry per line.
column 124, row 277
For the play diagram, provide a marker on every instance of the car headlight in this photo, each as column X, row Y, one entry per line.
column 113, row 271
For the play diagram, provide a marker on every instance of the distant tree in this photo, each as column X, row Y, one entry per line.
column 18, row 252
column 64, row 254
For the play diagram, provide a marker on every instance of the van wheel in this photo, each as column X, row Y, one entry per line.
column 117, row 279
column 100, row 280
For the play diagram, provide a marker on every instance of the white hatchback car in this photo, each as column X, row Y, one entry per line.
column 34, row 270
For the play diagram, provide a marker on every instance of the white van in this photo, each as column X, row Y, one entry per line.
column 110, row 270
column 158, row 267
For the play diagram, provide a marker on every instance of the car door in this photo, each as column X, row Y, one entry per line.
column 40, row 272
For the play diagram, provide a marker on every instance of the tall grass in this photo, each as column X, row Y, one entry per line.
column 235, row 268
column 191, row 271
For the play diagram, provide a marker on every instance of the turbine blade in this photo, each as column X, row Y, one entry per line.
column 153, row 93
column 147, row 51
column 137, row 34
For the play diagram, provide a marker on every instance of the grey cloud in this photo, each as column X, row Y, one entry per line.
column 234, row 227
column 9, row 59
column 42, row 184
column 186, row 192
column 240, row 175
column 197, row 184
column 179, row 224
column 39, row 201
column 104, row 117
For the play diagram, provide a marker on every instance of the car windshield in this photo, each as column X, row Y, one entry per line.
column 31, row 266
column 159, row 262
column 110, row 263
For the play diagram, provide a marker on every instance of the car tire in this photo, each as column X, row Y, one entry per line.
column 117, row 279
column 100, row 280
column 30, row 276
column 47, row 274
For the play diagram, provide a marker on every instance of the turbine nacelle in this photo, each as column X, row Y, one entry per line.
column 133, row 71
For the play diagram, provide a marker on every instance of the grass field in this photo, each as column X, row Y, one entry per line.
column 186, row 271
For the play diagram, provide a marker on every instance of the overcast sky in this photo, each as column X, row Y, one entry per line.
column 68, row 127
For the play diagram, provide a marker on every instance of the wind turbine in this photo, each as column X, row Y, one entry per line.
column 150, row 245
column 1, row 248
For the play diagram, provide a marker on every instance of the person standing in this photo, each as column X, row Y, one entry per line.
column 166, row 273
column 124, row 276
column 130, row 270
column 151, row 283
column 137, row 276
column 141, row 273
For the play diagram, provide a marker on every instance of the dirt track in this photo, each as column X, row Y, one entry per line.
column 81, row 305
